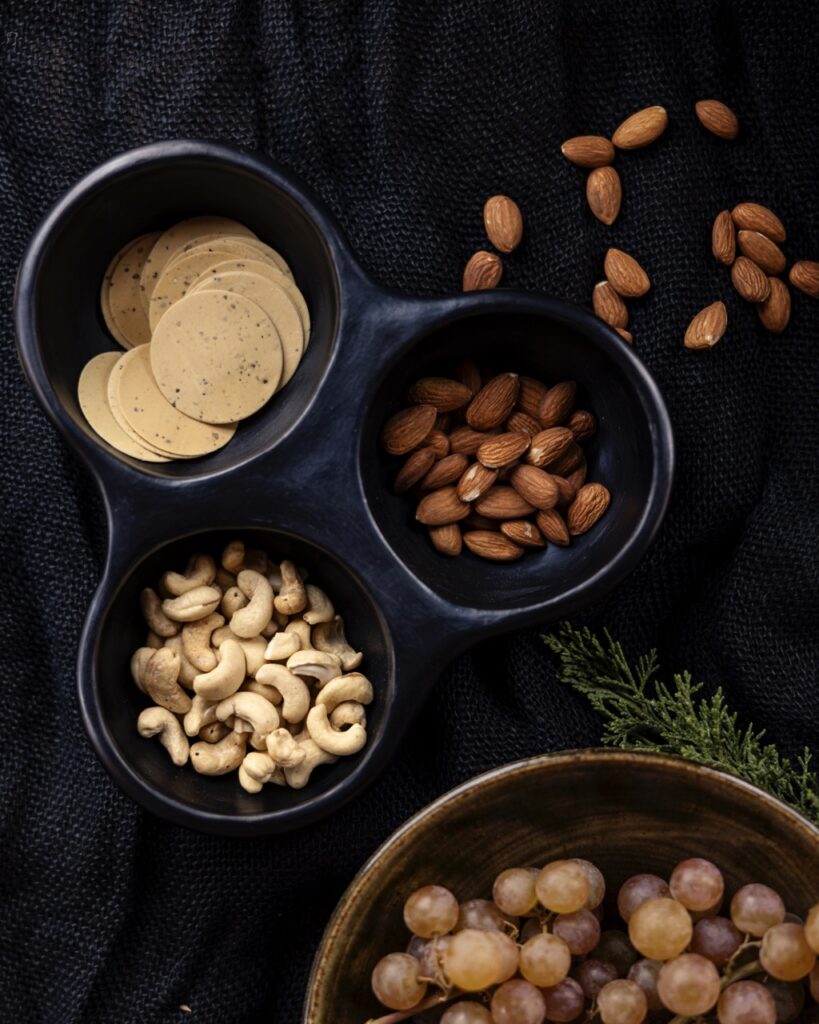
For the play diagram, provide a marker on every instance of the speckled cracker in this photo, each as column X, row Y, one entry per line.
column 217, row 355
column 116, row 411
column 177, row 278
column 121, row 293
column 272, row 273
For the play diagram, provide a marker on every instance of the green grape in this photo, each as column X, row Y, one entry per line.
column 545, row 960
column 531, row 927
column 471, row 960
column 746, row 1002
column 518, row 1002
column 597, row 883
column 660, row 928
column 507, row 956
column 622, row 1002
column 431, row 910
column 562, row 887
column 812, row 928
column 514, row 891
column 466, row 1013
column 688, row 985
column 636, row 890
column 431, row 959
column 580, row 931
column 645, row 973
column 614, row 948
column 756, row 908
column 395, row 982
column 564, row 1002
column 697, row 884
column 785, row 953
column 480, row 914
column 717, row 939
column 593, row 975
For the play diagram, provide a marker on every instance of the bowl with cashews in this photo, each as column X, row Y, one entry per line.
column 270, row 618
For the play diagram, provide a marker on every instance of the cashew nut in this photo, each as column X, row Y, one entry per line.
column 271, row 629
column 256, row 560
column 201, row 572
column 228, row 675
column 214, row 732
column 298, row 777
column 254, row 653
column 139, row 659
column 282, row 646
column 302, row 630
column 257, row 741
column 316, row 665
column 256, row 770
column 160, row 722
column 274, row 576
column 233, row 556
column 154, row 640
column 263, row 689
column 160, row 681
column 251, row 708
column 196, row 641
column 295, row 693
column 349, row 712
column 350, row 741
column 319, row 606
column 187, row 672
column 158, row 621
column 202, row 713
column 219, row 758
column 224, row 579
column 250, row 621
column 292, row 596
column 330, row 638
column 353, row 686
column 193, row 605
column 232, row 600
column 284, row 749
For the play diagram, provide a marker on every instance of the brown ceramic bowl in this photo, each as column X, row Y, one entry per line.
column 625, row 811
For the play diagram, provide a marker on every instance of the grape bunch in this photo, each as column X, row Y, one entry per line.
column 537, row 952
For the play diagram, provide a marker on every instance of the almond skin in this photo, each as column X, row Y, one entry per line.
column 608, row 305
column 641, row 128
column 591, row 502
column 441, row 507
column 408, row 428
column 530, row 396
column 724, row 238
column 522, row 532
column 521, row 423
column 447, row 539
column 484, row 270
column 414, row 469
column 501, row 502
column 755, row 217
column 549, row 445
column 469, row 375
column 447, row 471
column 503, row 223
column 534, row 486
column 557, row 404
column 625, row 274
column 553, row 527
column 717, row 118
column 625, row 335
column 775, row 311
column 466, row 441
column 491, row 545
column 751, row 282
column 582, row 424
column 758, row 247
column 494, row 402
column 588, row 150
column 476, row 481
column 445, row 394
column 707, row 327
column 503, row 450
column 604, row 194
column 804, row 275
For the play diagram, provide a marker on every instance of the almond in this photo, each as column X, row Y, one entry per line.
column 557, row 404
column 553, row 527
column 534, row 486
column 466, row 441
column 641, row 128
column 445, row 394
column 522, row 423
column 566, row 491
column 408, row 428
column 414, row 469
column 476, row 481
column 501, row 502
column 441, row 507
column 469, row 375
column 758, row 247
column 588, row 150
column 484, row 270
column 775, row 311
column 438, row 442
column 530, row 396
column 625, row 335
column 717, row 118
column 494, row 402
column 724, row 238
column 591, row 502
column 549, row 445
column 707, row 327
column 494, row 546
column 604, row 194
column 608, row 305
column 755, row 217
column 476, row 522
column 568, row 462
column 751, row 282
column 522, row 532
column 443, row 422
column 804, row 275
column 577, row 477
column 503, row 450
column 625, row 274
column 447, row 471
column 582, row 424
column 446, row 539
column 503, row 222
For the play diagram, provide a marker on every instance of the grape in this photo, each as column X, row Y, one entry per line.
column 593, row 975
column 471, row 960
column 813, row 982
column 580, row 931
column 755, row 908
column 660, row 929
column 746, row 1002
column 480, row 914
column 636, row 890
column 812, row 928
column 395, row 982
column 416, row 947
column 697, row 884
column 507, row 956
column 562, row 887
column 530, row 929
column 597, row 884
column 514, row 891
column 785, row 953
column 688, row 985
column 717, row 939
column 644, row 973
column 431, row 958
column 615, row 948
column 789, row 997
column 466, row 1013
column 564, row 1002
column 431, row 910
column 518, row 1002
column 622, row 1002
column 545, row 960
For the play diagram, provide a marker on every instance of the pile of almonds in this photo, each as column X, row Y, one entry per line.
column 495, row 463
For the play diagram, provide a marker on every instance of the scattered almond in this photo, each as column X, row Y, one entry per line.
column 408, row 428
column 491, row 545
column 557, row 403
column 530, row 396
column 608, row 305
column 707, row 327
column 553, row 526
column 775, row 311
column 484, row 270
column 442, row 392
column 535, row 486
column 588, row 150
column 751, row 282
column 446, row 471
column 414, row 469
column 502, row 502
column 625, row 274
column 522, row 532
column 604, row 194
column 724, row 238
column 494, row 402
column 549, row 445
column 441, row 507
column 503, row 222
column 503, row 450
column 522, row 423
column 804, row 275
column 582, row 424
column 591, row 502
column 758, row 247
column 476, row 481
column 447, row 539
column 717, row 118
column 641, row 128
column 755, row 217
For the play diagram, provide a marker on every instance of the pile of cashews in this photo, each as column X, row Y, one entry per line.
column 247, row 654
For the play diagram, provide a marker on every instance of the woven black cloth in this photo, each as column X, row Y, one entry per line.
column 404, row 115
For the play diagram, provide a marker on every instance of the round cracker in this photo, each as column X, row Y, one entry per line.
column 272, row 254
column 122, row 292
column 152, row 416
column 217, row 355
column 177, row 278
column 92, row 391
column 272, row 273
column 240, row 247
column 277, row 305
column 116, row 411
column 105, row 287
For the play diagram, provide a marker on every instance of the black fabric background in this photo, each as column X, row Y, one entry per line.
column 404, row 116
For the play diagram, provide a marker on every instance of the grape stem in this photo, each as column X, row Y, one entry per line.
column 754, row 967
column 426, row 1004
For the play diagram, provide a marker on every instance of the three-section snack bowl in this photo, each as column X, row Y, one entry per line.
column 305, row 478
